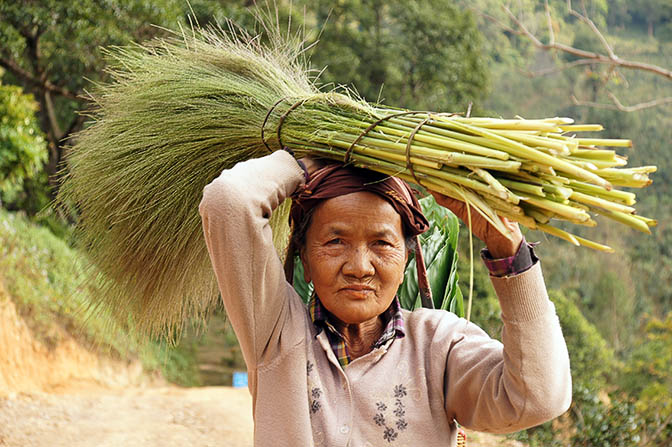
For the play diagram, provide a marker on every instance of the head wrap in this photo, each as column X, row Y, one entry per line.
column 336, row 179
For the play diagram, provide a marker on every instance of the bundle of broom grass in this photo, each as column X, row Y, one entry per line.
column 180, row 110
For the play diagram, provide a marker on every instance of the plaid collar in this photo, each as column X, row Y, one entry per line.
column 320, row 317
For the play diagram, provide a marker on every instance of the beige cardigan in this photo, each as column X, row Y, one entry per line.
column 409, row 392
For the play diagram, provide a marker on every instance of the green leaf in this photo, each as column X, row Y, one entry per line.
column 23, row 149
column 304, row 289
column 439, row 248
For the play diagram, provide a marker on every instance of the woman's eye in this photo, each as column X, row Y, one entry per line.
column 383, row 242
column 334, row 241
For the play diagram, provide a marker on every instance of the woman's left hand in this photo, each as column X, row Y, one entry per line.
column 498, row 245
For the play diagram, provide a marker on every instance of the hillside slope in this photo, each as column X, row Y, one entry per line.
column 47, row 339
column 29, row 365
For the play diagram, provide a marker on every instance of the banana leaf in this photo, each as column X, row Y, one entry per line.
column 439, row 248
column 305, row 290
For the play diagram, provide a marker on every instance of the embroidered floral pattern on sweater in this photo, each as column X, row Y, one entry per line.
column 315, row 391
column 400, row 391
column 379, row 419
column 399, row 410
column 315, row 405
column 391, row 432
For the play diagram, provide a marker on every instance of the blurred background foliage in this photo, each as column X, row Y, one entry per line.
column 616, row 310
column 23, row 150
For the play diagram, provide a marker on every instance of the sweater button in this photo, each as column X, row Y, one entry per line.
column 344, row 429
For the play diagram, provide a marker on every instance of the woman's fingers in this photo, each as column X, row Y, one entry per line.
column 499, row 245
column 458, row 207
column 311, row 164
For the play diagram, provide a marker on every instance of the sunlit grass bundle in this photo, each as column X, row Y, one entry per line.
column 181, row 110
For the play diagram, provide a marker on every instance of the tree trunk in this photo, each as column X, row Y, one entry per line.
column 56, row 138
column 45, row 124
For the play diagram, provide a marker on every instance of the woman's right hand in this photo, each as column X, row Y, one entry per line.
column 311, row 164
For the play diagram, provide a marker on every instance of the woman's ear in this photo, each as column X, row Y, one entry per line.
column 403, row 272
column 306, row 268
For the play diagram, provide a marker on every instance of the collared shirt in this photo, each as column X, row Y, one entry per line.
column 394, row 328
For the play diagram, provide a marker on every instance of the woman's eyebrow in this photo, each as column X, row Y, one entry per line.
column 342, row 230
column 335, row 229
column 384, row 233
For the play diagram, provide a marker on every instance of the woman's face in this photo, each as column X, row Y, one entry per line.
column 355, row 255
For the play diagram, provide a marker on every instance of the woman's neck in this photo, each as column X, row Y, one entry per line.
column 360, row 337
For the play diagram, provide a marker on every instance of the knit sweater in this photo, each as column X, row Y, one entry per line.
column 408, row 392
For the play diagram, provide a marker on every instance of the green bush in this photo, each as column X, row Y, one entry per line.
column 44, row 277
column 648, row 377
column 592, row 360
column 599, row 419
column 615, row 423
column 593, row 367
column 23, row 149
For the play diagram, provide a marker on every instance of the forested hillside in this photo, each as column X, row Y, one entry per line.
column 626, row 296
column 616, row 309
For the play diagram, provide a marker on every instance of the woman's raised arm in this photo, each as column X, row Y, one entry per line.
column 235, row 211
column 524, row 382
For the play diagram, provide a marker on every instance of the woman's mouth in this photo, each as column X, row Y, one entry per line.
column 358, row 290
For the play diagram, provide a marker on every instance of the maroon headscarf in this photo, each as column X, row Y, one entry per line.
column 336, row 179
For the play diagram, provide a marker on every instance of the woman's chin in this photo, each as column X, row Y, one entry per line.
column 354, row 316
column 358, row 295
column 354, row 306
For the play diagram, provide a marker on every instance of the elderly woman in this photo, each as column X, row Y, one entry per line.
column 353, row 368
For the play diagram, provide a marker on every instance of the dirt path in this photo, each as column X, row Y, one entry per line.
column 140, row 417
column 151, row 417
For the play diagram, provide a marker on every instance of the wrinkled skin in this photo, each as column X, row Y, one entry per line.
column 355, row 255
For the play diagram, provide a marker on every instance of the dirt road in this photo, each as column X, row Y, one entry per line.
column 140, row 417
column 152, row 417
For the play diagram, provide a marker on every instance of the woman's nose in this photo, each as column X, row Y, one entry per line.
column 359, row 263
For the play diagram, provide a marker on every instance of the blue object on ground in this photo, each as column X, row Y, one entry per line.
column 239, row 379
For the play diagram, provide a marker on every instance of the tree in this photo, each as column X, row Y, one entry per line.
column 651, row 12
column 53, row 50
column 22, row 145
column 426, row 54
column 414, row 54
column 604, row 56
column 649, row 377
